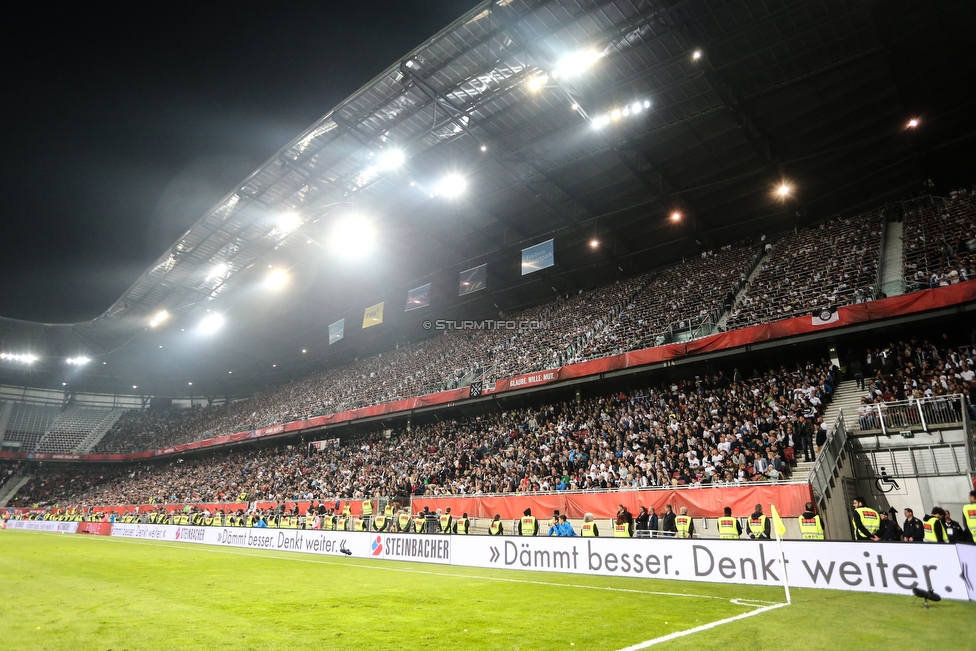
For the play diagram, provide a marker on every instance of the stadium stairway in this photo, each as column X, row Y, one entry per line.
column 847, row 397
column 893, row 265
column 11, row 487
column 86, row 446
column 720, row 326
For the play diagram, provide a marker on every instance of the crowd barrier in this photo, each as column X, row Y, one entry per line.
column 890, row 568
column 706, row 502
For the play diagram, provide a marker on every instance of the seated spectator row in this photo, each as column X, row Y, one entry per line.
column 701, row 431
column 912, row 369
column 940, row 242
column 831, row 265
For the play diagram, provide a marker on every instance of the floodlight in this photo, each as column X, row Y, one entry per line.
column 675, row 216
column 594, row 243
column 647, row 103
column 451, row 185
column 484, row 148
column 576, row 63
column 626, row 111
column 784, row 190
column 287, row 222
column 158, row 318
column 211, row 323
column 352, row 237
column 390, row 159
column 697, row 54
column 78, row 361
column 276, row 279
column 219, row 271
column 615, row 114
column 26, row 358
column 134, row 386
column 636, row 107
column 537, row 82
column 913, row 123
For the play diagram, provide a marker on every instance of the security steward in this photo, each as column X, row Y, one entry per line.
column 528, row 525
column 729, row 528
column 969, row 515
column 446, row 520
column 934, row 526
column 811, row 526
column 866, row 521
column 589, row 529
column 684, row 524
column 381, row 522
column 389, row 510
column 758, row 524
column 496, row 528
column 420, row 522
column 462, row 526
column 403, row 522
column 367, row 507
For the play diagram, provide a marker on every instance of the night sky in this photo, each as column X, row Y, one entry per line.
column 121, row 128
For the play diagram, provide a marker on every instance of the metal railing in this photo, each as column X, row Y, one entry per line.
column 924, row 413
column 821, row 476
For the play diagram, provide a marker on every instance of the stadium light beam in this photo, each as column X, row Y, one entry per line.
column 391, row 159
column 287, row 222
column 537, row 82
column 219, row 271
column 452, row 185
column 276, row 279
column 353, row 237
column 576, row 63
column 158, row 318
column 211, row 323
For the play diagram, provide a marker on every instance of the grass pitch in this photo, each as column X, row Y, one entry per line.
column 89, row 592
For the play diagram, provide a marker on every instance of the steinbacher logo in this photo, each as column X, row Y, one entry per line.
column 377, row 546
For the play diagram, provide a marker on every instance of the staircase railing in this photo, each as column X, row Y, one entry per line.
column 828, row 460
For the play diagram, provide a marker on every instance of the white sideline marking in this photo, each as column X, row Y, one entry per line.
column 297, row 557
column 703, row 627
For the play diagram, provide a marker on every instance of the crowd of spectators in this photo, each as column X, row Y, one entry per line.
column 713, row 429
column 832, row 265
column 679, row 298
column 940, row 241
column 913, row 370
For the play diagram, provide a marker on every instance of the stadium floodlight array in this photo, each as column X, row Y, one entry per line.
column 617, row 114
column 78, row 361
column 158, row 318
column 26, row 358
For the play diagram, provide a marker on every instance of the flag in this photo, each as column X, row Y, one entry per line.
column 475, row 389
column 373, row 315
column 537, row 257
column 825, row 316
column 418, row 298
column 336, row 331
column 242, row 496
column 473, row 280
column 777, row 521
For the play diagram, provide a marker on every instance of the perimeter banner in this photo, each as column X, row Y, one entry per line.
column 43, row 525
column 890, row 568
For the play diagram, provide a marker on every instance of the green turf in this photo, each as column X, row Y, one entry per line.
column 81, row 592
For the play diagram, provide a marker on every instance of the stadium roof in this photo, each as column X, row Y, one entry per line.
column 579, row 120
